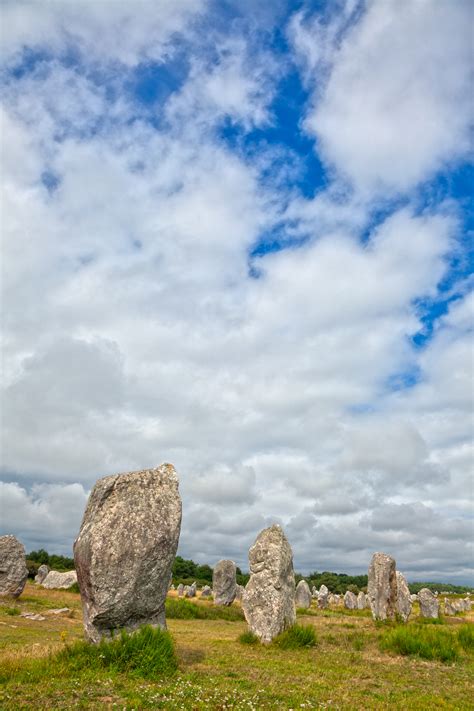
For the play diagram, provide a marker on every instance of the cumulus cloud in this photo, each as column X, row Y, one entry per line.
column 394, row 105
column 141, row 325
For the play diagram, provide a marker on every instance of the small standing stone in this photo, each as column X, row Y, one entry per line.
column 224, row 582
column 43, row 571
column 239, row 591
column 323, row 597
column 350, row 600
column 180, row 590
column 449, row 607
column 403, row 597
column 206, row 591
column 13, row 570
column 303, row 595
column 361, row 601
column 269, row 597
column 429, row 604
column 382, row 587
column 190, row 590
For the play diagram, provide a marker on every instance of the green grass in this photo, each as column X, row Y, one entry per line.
column 421, row 641
column 430, row 620
column 466, row 637
column 248, row 638
column 11, row 611
column 179, row 609
column 345, row 670
column 74, row 588
column 148, row 653
column 296, row 637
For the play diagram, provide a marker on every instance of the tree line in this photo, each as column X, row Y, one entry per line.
column 187, row 571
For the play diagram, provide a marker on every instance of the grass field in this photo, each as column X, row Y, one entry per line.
column 351, row 666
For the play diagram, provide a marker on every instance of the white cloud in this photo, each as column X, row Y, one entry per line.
column 135, row 334
column 105, row 31
column 395, row 106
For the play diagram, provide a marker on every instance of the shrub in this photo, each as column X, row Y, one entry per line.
column 180, row 609
column 248, row 638
column 466, row 637
column 296, row 637
column 421, row 641
column 147, row 653
column 12, row 611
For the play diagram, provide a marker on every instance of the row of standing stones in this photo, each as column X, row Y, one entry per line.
column 125, row 550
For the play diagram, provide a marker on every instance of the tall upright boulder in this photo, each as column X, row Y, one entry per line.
column 268, row 600
column 429, row 603
column 224, row 583
column 125, row 550
column 404, row 603
column 303, row 595
column 382, row 587
column 13, row 570
column 361, row 601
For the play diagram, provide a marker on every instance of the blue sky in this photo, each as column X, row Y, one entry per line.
column 238, row 237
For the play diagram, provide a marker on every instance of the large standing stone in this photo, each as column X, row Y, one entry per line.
column 323, row 597
column 59, row 581
column 429, row 604
column 361, row 601
column 382, row 587
column 350, row 600
column 126, row 548
column 224, row 582
column 269, row 597
column 303, row 595
column 43, row 571
column 404, row 602
column 13, row 570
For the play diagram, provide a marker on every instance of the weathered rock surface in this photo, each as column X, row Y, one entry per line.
column 414, row 597
column 350, row 600
column 13, row 570
column 43, row 571
column 180, row 589
column 190, row 590
column 429, row 603
column 60, row 581
column 125, row 550
column 239, row 591
column 33, row 616
column 224, row 582
column 382, row 587
column 361, row 601
column 303, row 595
column 449, row 607
column 314, row 592
column 323, row 597
column 206, row 591
column 269, row 597
column 404, row 602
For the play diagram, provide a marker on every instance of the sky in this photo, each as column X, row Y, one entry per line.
column 236, row 237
